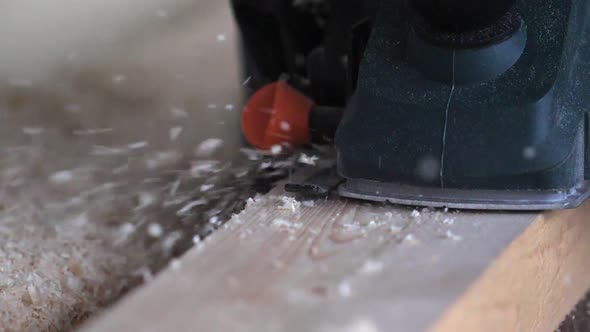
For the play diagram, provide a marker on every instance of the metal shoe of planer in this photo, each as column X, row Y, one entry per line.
column 449, row 103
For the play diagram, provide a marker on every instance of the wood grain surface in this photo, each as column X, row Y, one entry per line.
column 346, row 265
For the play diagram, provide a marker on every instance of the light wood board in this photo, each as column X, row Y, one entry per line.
column 346, row 265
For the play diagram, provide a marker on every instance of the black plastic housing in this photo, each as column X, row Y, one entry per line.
column 499, row 106
column 520, row 129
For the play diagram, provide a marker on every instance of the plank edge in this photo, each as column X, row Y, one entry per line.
column 533, row 284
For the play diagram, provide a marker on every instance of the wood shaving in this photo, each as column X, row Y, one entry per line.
column 33, row 131
column 276, row 149
column 371, row 267
column 286, row 224
column 175, row 264
column 395, row 229
column 145, row 199
column 189, row 206
column 155, row 230
column 208, row 147
column 308, row 160
column 450, row 235
column 94, row 131
column 411, row 239
column 206, row 187
column 179, row 113
column 61, row 177
column 344, row 289
column 290, row 204
column 448, row 221
column 138, row 145
column 361, row 325
column 308, row 204
column 174, row 133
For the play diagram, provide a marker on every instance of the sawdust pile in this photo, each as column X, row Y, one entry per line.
column 64, row 257
column 72, row 244
column 93, row 203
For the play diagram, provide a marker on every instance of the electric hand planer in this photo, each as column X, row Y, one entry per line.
column 448, row 103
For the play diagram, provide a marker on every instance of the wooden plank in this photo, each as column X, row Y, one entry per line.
column 348, row 265
column 534, row 283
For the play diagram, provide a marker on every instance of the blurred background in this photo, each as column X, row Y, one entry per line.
column 119, row 144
